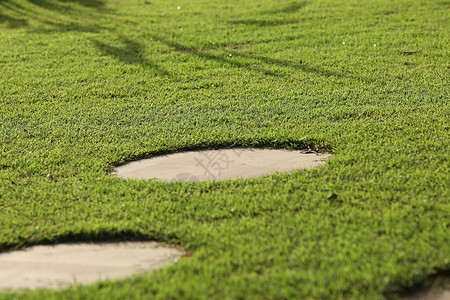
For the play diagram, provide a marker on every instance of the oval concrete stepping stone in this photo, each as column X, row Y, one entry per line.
column 66, row 264
column 220, row 164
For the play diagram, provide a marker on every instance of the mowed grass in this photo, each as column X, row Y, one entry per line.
column 88, row 85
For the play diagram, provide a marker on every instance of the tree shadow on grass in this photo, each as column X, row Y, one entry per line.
column 207, row 55
column 304, row 67
column 87, row 3
column 75, row 13
column 77, row 27
column 291, row 8
column 258, row 63
column 13, row 22
column 7, row 5
column 264, row 23
column 61, row 5
column 130, row 52
column 267, row 22
column 50, row 5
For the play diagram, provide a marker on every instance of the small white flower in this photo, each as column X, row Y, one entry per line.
column 178, row 7
column 343, row 43
column 374, row 45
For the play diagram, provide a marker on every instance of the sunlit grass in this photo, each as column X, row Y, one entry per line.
column 87, row 85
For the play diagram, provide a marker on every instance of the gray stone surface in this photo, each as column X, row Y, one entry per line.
column 220, row 164
column 66, row 264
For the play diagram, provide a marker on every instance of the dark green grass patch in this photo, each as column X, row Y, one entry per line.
column 87, row 85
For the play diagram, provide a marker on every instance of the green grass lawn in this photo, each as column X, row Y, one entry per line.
column 86, row 85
